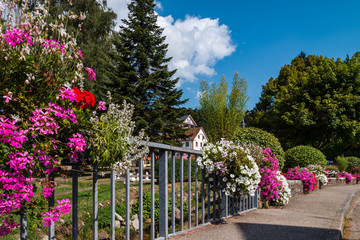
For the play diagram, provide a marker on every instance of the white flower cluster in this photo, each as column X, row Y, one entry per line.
column 322, row 178
column 284, row 192
column 220, row 159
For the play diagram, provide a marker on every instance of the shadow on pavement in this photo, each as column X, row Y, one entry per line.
column 252, row 231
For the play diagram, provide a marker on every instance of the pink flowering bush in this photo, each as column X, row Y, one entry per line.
column 273, row 188
column 309, row 180
column 40, row 124
column 348, row 177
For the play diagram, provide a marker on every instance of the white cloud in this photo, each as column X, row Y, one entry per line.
column 158, row 5
column 120, row 8
column 195, row 44
column 198, row 94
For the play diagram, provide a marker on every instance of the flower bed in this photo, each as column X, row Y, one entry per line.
column 309, row 180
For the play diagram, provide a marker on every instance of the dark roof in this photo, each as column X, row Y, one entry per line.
column 192, row 132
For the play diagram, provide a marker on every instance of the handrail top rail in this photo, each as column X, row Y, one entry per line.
column 172, row 148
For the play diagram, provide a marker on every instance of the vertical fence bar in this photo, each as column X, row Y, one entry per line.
column 127, row 205
column 141, row 199
column 220, row 196
column 163, row 194
column 224, row 200
column 214, row 197
column 51, row 205
column 75, row 202
column 173, row 191
column 196, row 194
column 112, row 204
column 202, row 196
column 233, row 205
column 152, row 182
column 95, row 202
column 23, row 224
column 208, row 200
column 189, row 191
column 182, row 192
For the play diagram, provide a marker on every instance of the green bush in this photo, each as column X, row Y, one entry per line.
column 262, row 139
column 342, row 163
column 353, row 162
column 303, row 156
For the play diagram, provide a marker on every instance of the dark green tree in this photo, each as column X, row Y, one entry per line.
column 141, row 75
column 314, row 101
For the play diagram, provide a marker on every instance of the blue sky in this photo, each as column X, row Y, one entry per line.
column 209, row 39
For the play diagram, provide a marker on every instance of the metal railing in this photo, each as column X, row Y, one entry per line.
column 205, row 203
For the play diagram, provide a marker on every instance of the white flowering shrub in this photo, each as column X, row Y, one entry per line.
column 322, row 179
column 284, row 191
column 231, row 162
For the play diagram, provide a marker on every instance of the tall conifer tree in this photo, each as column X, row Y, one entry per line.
column 141, row 74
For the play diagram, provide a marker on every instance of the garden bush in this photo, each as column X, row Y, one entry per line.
column 303, row 156
column 308, row 178
column 342, row 163
column 353, row 162
column 262, row 139
column 104, row 214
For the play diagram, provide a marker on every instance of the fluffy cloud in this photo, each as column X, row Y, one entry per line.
column 195, row 44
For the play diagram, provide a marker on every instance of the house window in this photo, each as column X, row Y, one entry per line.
column 196, row 144
column 201, row 145
column 203, row 137
column 186, row 144
column 198, row 136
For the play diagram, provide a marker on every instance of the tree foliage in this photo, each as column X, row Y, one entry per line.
column 221, row 113
column 314, row 101
column 141, row 75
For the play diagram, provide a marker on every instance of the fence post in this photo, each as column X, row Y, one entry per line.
column 95, row 202
column 51, row 204
column 23, row 224
column 75, row 202
column 163, row 194
column 112, row 204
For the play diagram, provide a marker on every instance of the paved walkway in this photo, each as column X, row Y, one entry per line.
column 318, row 215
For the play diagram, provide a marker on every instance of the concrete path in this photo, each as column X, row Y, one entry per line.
column 318, row 215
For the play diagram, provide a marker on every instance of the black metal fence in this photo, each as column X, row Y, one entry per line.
column 204, row 199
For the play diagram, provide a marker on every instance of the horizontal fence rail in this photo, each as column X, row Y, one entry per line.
column 181, row 198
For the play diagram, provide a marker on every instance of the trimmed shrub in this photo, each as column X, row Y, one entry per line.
column 353, row 162
column 342, row 163
column 262, row 139
column 303, row 156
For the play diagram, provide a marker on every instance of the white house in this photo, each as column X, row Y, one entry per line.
column 196, row 135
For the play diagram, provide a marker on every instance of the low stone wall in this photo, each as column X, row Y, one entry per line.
column 296, row 186
column 336, row 181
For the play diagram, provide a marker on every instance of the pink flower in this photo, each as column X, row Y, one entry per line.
column 91, row 73
column 80, row 54
column 77, row 144
column 67, row 93
column 47, row 192
column 8, row 97
column 17, row 36
column 101, row 105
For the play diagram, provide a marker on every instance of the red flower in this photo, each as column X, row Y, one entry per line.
column 84, row 98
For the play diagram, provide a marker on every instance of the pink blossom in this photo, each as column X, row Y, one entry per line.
column 91, row 73
column 47, row 191
column 67, row 93
column 77, row 144
column 80, row 54
column 17, row 36
column 101, row 105
column 51, row 43
column 64, row 207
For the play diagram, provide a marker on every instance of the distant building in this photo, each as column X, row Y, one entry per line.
column 196, row 135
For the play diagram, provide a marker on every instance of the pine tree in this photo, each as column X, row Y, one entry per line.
column 142, row 77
